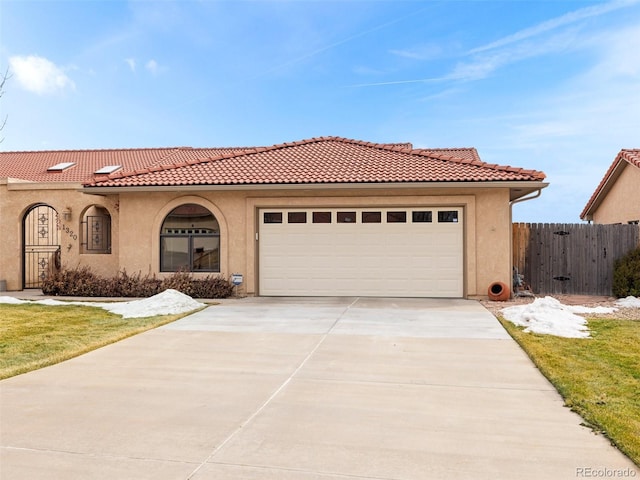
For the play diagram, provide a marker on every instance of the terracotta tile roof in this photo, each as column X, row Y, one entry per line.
column 32, row 166
column 624, row 157
column 465, row 153
column 329, row 160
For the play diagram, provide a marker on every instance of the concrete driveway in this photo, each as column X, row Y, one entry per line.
column 309, row 389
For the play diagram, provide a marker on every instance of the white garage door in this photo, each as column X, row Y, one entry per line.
column 398, row 252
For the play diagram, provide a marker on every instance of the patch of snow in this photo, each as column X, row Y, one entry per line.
column 168, row 302
column 549, row 316
column 628, row 302
column 11, row 300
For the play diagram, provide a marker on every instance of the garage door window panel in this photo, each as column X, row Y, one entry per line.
column 190, row 240
column 346, row 217
column 448, row 216
column 272, row 217
column 371, row 217
column 422, row 216
column 396, row 217
column 321, row 217
column 297, row 217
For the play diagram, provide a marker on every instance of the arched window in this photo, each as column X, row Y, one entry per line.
column 96, row 230
column 190, row 240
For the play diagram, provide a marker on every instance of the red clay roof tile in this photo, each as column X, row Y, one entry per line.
column 325, row 160
column 32, row 166
column 317, row 160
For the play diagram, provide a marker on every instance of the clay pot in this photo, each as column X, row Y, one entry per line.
column 499, row 292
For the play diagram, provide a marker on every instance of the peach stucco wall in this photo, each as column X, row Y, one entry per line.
column 138, row 216
column 15, row 201
column 487, row 226
column 622, row 202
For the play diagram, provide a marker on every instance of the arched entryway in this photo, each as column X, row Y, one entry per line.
column 40, row 237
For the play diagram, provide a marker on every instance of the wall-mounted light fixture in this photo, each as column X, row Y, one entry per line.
column 66, row 213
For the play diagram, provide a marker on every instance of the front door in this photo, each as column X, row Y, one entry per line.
column 41, row 245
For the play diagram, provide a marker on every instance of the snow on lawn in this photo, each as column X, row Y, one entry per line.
column 166, row 303
column 548, row 316
column 629, row 302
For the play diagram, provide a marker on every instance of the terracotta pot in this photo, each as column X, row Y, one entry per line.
column 498, row 292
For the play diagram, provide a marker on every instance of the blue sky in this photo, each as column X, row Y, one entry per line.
column 548, row 85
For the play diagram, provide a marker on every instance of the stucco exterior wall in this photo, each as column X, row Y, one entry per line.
column 15, row 201
column 487, row 226
column 622, row 202
column 493, row 240
column 136, row 220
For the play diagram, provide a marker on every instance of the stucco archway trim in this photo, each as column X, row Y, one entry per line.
column 176, row 202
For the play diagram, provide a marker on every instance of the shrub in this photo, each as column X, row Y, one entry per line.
column 81, row 282
column 626, row 275
column 208, row 287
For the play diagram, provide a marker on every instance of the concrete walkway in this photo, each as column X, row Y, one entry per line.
column 309, row 389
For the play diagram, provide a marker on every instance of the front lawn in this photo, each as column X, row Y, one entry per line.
column 599, row 377
column 33, row 336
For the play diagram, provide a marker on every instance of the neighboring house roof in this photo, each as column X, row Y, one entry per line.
column 33, row 166
column 624, row 158
column 325, row 160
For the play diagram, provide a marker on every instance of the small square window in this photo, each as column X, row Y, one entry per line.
column 273, row 217
column 422, row 217
column 396, row 217
column 321, row 217
column 371, row 217
column 297, row 217
column 346, row 217
column 448, row 216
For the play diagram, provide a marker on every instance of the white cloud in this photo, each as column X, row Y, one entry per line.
column 481, row 62
column 132, row 63
column 423, row 52
column 522, row 45
column 566, row 19
column 152, row 66
column 39, row 75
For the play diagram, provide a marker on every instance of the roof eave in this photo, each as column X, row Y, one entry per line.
column 518, row 188
column 30, row 185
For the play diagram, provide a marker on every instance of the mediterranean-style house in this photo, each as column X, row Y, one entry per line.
column 325, row 216
column 617, row 197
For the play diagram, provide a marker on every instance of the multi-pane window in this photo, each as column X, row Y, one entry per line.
column 190, row 240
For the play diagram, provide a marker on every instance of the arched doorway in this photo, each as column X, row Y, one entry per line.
column 41, row 244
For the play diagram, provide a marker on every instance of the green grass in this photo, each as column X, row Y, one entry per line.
column 35, row 336
column 599, row 378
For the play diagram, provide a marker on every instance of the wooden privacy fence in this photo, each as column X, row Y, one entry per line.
column 572, row 258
